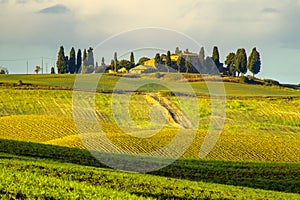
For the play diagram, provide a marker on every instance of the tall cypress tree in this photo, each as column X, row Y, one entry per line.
column 72, row 60
column 132, row 60
column 79, row 62
column 61, row 61
column 102, row 62
column 115, row 61
column 240, row 61
column 230, row 63
column 84, row 58
column 180, row 64
column 157, row 60
column 168, row 61
column 254, row 63
column 216, row 57
column 112, row 63
column 67, row 65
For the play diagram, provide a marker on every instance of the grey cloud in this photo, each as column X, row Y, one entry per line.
column 270, row 10
column 27, row 1
column 57, row 9
column 3, row 1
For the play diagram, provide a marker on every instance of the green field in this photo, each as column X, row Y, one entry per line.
column 258, row 150
column 107, row 83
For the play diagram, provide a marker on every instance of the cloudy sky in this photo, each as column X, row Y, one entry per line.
column 31, row 29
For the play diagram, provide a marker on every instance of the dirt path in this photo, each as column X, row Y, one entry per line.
column 174, row 114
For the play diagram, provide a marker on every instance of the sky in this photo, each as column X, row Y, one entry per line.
column 34, row 29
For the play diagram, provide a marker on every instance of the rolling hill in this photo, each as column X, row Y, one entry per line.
column 259, row 146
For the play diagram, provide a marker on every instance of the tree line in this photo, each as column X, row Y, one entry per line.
column 236, row 63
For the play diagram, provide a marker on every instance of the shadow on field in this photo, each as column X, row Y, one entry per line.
column 264, row 175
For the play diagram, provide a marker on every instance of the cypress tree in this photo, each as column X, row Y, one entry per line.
column 72, row 66
column 180, row 64
column 240, row 61
column 230, row 63
column 67, row 65
column 254, row 63
column 112, row 63
column 61, row 61
column 132, row 60
column 216, row 57
column 157, row 60
column 168, row 61
column 84, row 58
column 102, row 62
column 52, row 70
column 79, row 62
column 115, row 61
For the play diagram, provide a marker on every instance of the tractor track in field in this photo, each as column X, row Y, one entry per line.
column 174, row 115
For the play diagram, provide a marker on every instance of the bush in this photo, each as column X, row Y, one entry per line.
column 270, row 82
column 244, row 79
column 166, row 93
column 20, row 82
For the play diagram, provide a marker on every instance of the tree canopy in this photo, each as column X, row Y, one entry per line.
column 157, row 60
column 142, row 60
column 79, row 61
column 186, row 62
column 230, row 63
column 61, row 61
column 132, row 60
column 254, row 62
column 216, row 57
column 72, row 61
column 240, row 61
column 180, row 64
column 168, row 62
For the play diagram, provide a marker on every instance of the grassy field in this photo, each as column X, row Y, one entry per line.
column 258, row 150
column 258, row 129
column 60, row 172
column 108, row 82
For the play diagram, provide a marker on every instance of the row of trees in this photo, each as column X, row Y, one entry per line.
column 69, row 64
column 236, row 63
column 85, row 63
column 82, row 63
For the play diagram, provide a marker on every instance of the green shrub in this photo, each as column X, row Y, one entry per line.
column 244, row 79
column 20, row 82
column 270, row 82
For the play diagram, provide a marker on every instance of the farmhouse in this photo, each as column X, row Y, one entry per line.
column 150, row 67
column 141, row 69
